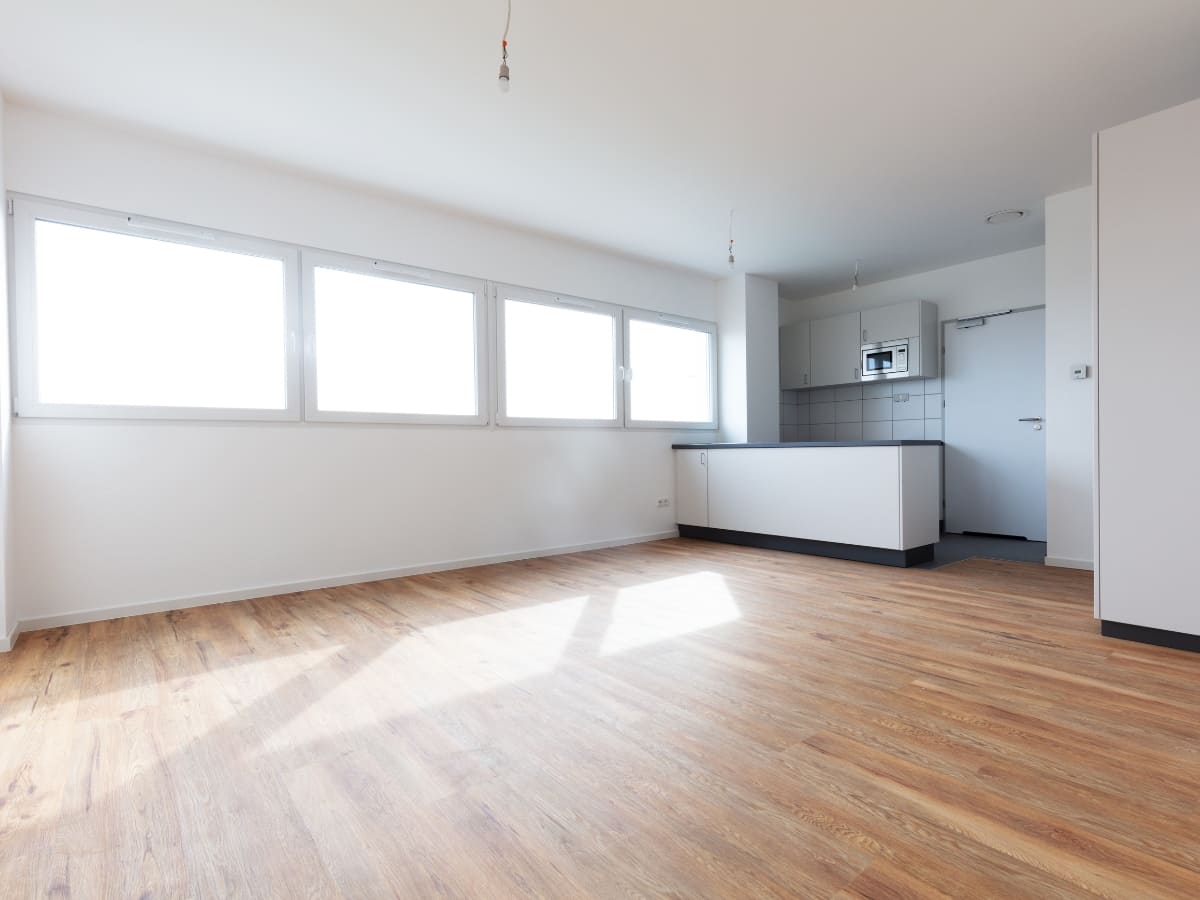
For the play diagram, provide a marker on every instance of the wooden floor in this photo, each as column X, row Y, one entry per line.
column 673, row 719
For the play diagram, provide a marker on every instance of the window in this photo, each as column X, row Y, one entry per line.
column 390, row 343
column 670, row 371
column 559, row 360
column 124, row 317
column 117, row 316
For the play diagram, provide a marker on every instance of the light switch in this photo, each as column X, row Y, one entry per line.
column 1079, row 372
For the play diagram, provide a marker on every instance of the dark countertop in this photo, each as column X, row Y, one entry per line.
column 800, row 444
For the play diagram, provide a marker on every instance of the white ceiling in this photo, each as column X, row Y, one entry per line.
column 867, row 128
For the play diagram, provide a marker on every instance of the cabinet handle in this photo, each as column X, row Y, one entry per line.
column 864, row 335
column 806, row 378
column 856, row 374
column 703, row 460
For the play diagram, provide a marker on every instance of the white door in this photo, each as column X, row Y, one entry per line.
column 793, row 356
column 835, row 354
column 691, row 487
column 995, row 393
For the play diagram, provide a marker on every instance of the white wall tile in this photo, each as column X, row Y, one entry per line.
column 933, row 385
column 849, row 431
column 877, row 431
column 876, row 389
column 912, row 408
column 803, row 412
column 848, row 411
column 823, row 395
column 915, row 387
column 933, row 429
column 822, row 432
column 879, row 410
column 801, row 432
column 789, row 414
column 821, row 413
column 933, row 406
column 850, row 392
column 908, row 430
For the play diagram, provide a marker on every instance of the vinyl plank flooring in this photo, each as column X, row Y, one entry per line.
column 674, row 719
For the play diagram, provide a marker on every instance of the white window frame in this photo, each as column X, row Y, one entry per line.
column 313, row 259
column 630, row 374
column 29, row 210
column 503, row 292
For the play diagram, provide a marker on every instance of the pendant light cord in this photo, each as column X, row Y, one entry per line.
column 504, row 38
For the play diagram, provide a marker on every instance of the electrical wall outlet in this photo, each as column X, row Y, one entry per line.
column 1079, row 372
column 663, row 502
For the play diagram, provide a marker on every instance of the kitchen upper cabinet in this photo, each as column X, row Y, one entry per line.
column 888, row 323
column 691, row 487
column 836, row 343
column 795, row 356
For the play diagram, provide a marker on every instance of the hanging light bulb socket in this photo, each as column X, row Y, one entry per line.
column 504, row 76
column 731, row 258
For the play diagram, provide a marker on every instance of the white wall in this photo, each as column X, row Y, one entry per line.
column 8, row 618
column 762, row 358
column 1069, row 403
column 142, row 514
column 734, row 416
column 748, row 350
column 982, row 285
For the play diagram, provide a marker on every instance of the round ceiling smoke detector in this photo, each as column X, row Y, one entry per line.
column 1004, row 216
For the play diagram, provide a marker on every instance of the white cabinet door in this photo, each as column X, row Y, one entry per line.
column 848, row 495
column 691, row 487
column 890, row 323
column 836, row 346
column 794, row 356
column 1147, row 321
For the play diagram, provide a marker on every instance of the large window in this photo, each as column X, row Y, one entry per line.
column 126, row 317
column 118, row 316
column 670, row 371
column 389, row 343
column 559, row 360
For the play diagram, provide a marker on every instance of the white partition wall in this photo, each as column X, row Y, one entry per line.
column 1148, row 320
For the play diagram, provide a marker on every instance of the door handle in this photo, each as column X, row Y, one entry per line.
column 1031, row 419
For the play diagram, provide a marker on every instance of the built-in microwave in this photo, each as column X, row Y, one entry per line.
column 887, row 359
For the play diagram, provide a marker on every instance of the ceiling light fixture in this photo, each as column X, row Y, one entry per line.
column 504, row 52
column 854, row 282
column 731, row 260
column 1004, row 216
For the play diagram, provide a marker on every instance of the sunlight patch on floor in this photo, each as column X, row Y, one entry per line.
column 438, row 664
column 661, row 610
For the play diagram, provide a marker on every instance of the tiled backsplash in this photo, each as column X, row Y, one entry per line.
column 877, row 411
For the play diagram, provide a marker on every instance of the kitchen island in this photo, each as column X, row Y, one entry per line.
column 872, row 501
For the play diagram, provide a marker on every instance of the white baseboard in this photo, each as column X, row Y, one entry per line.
column 81, row 617
column 1064, row 562
column 7, row 640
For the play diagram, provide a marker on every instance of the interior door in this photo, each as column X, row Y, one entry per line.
column 995, row 394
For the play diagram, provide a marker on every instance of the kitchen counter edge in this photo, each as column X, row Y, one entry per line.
column 802, row 444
